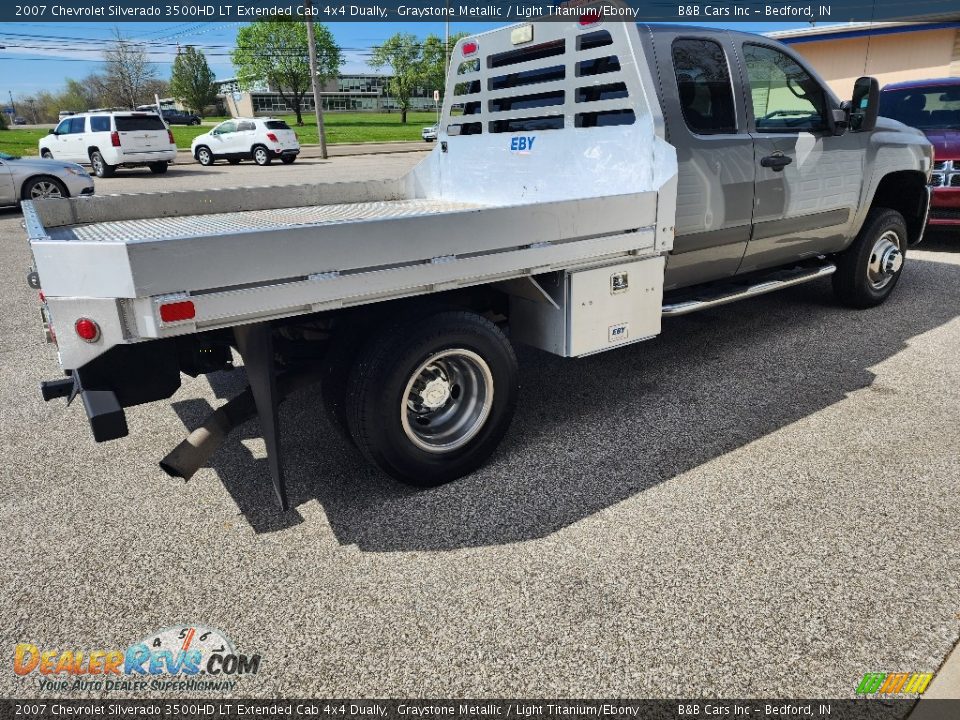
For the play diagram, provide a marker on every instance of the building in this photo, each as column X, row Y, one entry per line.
column 346, row 93
column 889, row 51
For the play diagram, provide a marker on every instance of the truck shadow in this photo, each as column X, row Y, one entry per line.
column 590, row 433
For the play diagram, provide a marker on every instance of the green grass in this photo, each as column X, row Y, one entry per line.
column 20, row 142
column 341, row 128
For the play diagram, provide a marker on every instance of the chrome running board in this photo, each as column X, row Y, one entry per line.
column 732, row 294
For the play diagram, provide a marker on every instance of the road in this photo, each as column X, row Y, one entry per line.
column 761, row 502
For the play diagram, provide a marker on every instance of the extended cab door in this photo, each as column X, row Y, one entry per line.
column 706, row 122
column 808, row 179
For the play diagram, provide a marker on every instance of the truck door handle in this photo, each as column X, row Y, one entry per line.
column 777, row 161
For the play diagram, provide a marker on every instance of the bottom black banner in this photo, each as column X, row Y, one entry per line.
column 491, row 709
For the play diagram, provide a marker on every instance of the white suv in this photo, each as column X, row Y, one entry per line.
column 257, row 139
column 107, row 140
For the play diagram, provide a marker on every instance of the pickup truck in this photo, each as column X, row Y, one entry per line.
column 589, row 180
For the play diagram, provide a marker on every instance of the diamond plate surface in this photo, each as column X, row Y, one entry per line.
column 234, row 222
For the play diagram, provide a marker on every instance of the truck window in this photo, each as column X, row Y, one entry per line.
column 246, row 126
column 704, row 87
column 785, row 97
column 63, row 128
column 100, row 123
column 76, row 125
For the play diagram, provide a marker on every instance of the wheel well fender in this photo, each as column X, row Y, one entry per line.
column 906, row 192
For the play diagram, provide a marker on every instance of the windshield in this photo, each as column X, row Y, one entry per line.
column 5, row 156
column 926, row 108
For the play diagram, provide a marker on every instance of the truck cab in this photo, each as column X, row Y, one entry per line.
column 770, row 170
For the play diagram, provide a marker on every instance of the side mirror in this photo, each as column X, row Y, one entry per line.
column 52, row 131
column 865, row 105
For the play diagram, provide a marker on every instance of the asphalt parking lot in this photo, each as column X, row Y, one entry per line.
column 761, row 502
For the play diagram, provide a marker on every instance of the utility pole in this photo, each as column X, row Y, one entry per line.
column 317, row 104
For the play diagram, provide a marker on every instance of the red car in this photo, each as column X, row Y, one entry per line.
column 933, row 106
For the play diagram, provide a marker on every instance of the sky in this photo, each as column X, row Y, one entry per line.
column 38, row 56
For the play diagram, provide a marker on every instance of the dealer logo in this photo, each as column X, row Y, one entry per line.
column 172, row 658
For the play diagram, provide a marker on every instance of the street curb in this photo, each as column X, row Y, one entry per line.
column 348, row 149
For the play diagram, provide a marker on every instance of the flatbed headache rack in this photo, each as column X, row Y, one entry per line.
column 550, row 157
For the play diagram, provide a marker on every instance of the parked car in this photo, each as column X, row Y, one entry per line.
column 37, row 178
column 257, row 139
column 933, row 106
column 179, row 117
column 429, row 134
column 108, row 140
column 19, row 120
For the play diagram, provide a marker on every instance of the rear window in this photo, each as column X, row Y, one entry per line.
column 276, row 125
column 127, row 123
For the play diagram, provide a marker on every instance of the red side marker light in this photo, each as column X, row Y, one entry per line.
column 87, row 330
column 589, row 18
column 177, row 311
column 470, row 48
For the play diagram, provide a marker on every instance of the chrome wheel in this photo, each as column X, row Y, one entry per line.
column 447, row 400
column 97, row 163
column 886, row 259
column 45, row 189
column 261, row 157
column 204, row 157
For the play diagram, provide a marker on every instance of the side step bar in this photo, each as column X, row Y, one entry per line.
column 742, row 292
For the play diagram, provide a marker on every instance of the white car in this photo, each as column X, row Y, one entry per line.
column 257, row 139
column 429, row 134
column 107, row 140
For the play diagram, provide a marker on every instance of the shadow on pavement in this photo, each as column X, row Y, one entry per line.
column 590, row 433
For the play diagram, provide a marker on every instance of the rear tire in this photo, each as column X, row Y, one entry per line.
column 868, row 271
column 261, row 156
column 204, row 156
column 158, row 168
column 100, row 167
column 430, row 399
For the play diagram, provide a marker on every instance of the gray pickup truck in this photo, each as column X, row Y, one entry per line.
column 588, row 180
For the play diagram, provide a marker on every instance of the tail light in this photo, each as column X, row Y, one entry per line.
column 87, row 330
column 589, row 18
column 170, row 136
column 272, row 137
column 177, row 311
column 115, row 138
column 470, row 48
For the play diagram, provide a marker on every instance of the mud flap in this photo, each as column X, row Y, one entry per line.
column 255, row 343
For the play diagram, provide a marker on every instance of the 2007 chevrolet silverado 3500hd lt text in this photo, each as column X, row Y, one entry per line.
column 589, row 178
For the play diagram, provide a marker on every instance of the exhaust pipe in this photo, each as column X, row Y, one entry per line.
column 192, row 454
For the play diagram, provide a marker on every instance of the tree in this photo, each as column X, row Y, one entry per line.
column 433, row 61
column 192, row 82
column 126, row 72
column 404, row 54
column 275, row 51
